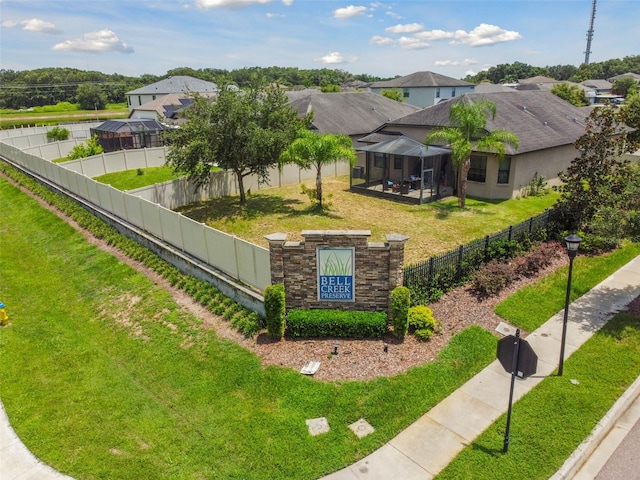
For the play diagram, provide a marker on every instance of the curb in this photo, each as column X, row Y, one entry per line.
column 581, row 454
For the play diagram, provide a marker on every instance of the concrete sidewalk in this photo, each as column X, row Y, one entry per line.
column 428, row 445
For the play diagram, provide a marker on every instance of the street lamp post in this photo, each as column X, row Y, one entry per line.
column 573, row 243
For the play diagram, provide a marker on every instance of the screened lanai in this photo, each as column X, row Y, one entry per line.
column 404, row 169
column 129, row 133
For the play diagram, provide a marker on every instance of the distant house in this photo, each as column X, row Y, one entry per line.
column 129, row 134
column 164, row 108
column 599, row 91
column 347, row 113
column 635, row 76
column 424, row 89
column 182, row 84
column 546, row 126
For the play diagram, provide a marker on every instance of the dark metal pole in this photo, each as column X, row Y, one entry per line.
column 566, row 314
column 514, row 371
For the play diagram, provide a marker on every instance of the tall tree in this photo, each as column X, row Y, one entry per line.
column 468, row 133
column 600, row 171
column 314, row 150
column 242, row 131
column 571, row 93
column 91, row 96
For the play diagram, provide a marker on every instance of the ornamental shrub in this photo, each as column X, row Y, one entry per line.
column 400, row 302
column 422, row 323
column 274, row 307
column 57, row 134
column 335, row 323
column 491, row 279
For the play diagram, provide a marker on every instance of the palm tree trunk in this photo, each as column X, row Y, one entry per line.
column 319, row 185
column 462, row 184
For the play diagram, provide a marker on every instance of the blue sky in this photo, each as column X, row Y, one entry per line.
column 133, row 37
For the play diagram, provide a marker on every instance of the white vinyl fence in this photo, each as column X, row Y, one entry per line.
column 237, row 258
column 150, row 208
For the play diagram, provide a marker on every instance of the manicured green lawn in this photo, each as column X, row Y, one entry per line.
column 132, row 179
column 555, row 417
column 432, row 228
column 533, row 305
column 104, row 376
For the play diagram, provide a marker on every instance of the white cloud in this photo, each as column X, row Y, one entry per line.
column 40, row 26
column 378, row 40
column 233, row 4
column 104, row 41
column 8, row 24
column 393, row 15
column 412, row 43
column 456, row 63
column 287, row 3
column 348, row 12
column 274, row 15
column 332, row 58
column 484, row 34
column 432, row 35
column 408, row 28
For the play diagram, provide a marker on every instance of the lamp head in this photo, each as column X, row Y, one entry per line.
column 573, row 243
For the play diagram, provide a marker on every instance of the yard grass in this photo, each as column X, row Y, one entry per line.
column 132, row 179
column 530, row 307
column 104, row 376
column 432, row 228
column 549, row 422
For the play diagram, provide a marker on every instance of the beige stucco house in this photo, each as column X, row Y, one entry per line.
column 546, row 126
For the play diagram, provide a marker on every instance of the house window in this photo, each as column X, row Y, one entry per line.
column 453, row 92
column 153, row 97
column 438, row 92
column 503, row 170
column 397, row 162
column 378, row 160
column 405, row 92
column 478, row 170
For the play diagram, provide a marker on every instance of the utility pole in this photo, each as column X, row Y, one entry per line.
column 590, row 33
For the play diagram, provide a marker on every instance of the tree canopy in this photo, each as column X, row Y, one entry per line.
column 243, row 131
column 600, row 173
column 468, row 133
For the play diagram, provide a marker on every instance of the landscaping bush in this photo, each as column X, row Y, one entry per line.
column 531, row 263
column 274, row 307
column 58, row 134
column 335, row 323
column 491, row 279
column 422, row 323
column 400, row 302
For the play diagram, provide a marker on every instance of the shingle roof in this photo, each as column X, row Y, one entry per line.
column 422, row 79
column 597, row 84
column 539, row 119
column 635, row 76
column 538, row 79
column 177, row 84
column 350, row 113
column 405, row 146
column 168, row 105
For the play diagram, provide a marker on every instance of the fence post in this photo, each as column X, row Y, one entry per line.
column 510, row 230
column 460, row 254
column 530, row 225
column 431, row 262
column 486, row 249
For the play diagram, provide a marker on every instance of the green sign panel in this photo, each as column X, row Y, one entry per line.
column 335, row 274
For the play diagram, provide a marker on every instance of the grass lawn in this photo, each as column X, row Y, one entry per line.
column 132, row 179
column 551, row 421
column 433, row 228
column 61, row 113
column 104, row 376
column 533, row 305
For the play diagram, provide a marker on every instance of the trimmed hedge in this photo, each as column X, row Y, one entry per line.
column 400, row 302
column 336, row 323
column 274, row 307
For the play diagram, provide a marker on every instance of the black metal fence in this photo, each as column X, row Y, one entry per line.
column 428, row 280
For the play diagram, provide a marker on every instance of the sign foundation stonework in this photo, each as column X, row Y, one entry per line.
column 338, row 269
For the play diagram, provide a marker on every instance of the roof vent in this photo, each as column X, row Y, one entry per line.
column 524, row 108
column 546, row 124
column 575, row 119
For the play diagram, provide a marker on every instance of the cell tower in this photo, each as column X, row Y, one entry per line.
column 590, row 33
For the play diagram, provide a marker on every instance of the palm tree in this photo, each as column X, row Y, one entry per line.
column 311, row 149
column 468, row 133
